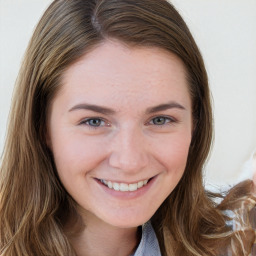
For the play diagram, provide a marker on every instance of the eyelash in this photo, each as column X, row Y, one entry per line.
column 167, row 120
column 86, row 122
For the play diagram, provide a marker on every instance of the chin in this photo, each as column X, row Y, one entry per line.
column 128, row 220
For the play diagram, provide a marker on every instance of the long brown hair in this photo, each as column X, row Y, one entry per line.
column 31, row 195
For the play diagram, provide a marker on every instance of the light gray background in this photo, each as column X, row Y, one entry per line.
column 225, row 31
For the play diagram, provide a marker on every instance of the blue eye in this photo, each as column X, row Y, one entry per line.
column 161, row 120
column 93, row 122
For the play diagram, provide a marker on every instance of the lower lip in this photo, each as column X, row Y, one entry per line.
column 127, row 194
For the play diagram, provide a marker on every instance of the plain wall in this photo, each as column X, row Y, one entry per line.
column 226, row 34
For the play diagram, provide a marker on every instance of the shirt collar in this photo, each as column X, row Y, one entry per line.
column 148, row 244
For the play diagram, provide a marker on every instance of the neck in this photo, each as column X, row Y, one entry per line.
column 100, row 238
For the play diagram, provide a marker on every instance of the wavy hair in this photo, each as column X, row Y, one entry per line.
column 32, row 197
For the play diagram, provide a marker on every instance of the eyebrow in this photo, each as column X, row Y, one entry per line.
column 109, row 111
column 94, row 108
column 166, row 106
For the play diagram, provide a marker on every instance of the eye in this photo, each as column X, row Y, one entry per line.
column 161, row 120
column 94, row 122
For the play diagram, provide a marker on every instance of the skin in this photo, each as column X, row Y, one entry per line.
column 128, row 144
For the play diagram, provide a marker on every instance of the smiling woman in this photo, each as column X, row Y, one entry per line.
column 120, row 144
column 110, row 127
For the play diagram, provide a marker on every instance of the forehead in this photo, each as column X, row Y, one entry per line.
column 128, row 74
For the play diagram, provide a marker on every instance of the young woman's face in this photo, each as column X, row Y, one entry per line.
column 120, row 130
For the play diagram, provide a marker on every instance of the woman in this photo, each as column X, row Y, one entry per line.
column 109, row 130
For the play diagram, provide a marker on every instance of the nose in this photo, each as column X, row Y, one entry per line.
column 129, row 151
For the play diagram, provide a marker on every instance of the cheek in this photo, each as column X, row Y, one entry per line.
column 174, row 153
column 175, row 160
column 74, row 154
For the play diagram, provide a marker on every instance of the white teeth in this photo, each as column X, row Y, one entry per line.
column 116, row 186
column 110, row 185
column 145, row 182
column 133, row 187
column 140, row 184
column 124, row 187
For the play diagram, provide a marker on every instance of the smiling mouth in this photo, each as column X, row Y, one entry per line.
column 124, row 187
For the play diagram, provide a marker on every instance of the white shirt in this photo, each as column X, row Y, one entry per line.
column 148, row 244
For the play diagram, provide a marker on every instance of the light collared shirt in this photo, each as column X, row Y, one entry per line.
column 148, row 244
